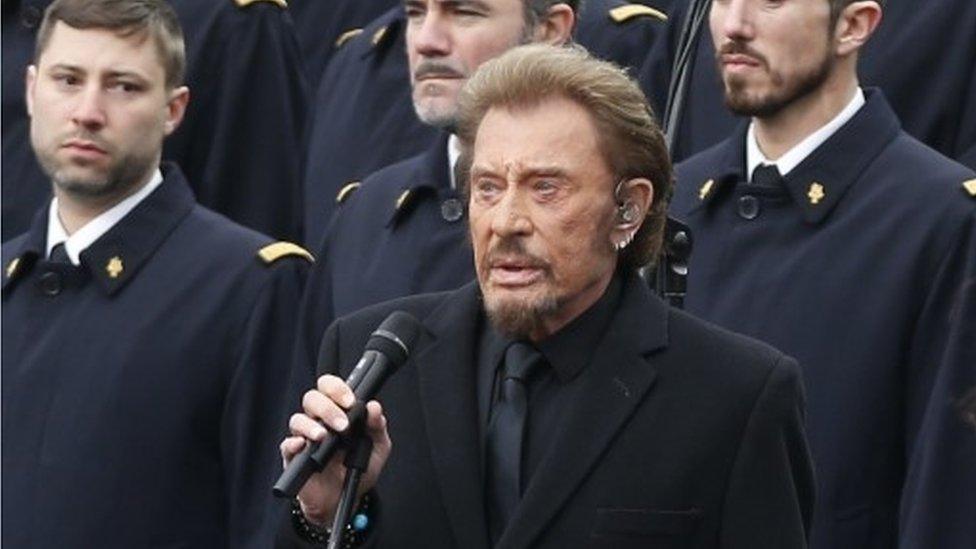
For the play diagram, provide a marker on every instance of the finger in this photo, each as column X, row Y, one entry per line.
column 337, row 390
column 323, row 408
column 375, row 420
column 303, row 426
column 377, row 426
column 290, row 447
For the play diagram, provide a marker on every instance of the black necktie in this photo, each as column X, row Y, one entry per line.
column 59, row 254
column 766, row 175
column 505, row 433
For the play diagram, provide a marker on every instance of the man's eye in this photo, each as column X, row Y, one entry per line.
column 485, row 187
column 126, row 87
column 67, row 79
column 545, row 187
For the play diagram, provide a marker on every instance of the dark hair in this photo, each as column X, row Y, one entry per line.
column 630, row 140
column 150, row 18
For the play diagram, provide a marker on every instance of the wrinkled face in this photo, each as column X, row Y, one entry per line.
column 541, row 214
column 99, row 111
column 446, row 42
column 771, row 53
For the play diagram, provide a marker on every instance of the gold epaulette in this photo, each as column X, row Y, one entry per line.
column 347, row 36
column 245, row 3
column 273, row 252
column 625, row 13
column 970, row 187
column 345, row 191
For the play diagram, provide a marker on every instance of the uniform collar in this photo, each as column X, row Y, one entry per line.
column 117, row 256
column 819, row 181
column 792, row 158
column 430, row 176
column 94, row 229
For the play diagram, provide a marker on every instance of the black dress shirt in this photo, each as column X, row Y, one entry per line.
column 566, row 353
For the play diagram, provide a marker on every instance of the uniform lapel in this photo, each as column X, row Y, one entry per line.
column 614, row 385
column 449, row 401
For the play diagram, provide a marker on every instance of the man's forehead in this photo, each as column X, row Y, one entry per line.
column 102, row 50
column 483, row 4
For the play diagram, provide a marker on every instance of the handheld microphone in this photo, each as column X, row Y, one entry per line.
column 386, row 350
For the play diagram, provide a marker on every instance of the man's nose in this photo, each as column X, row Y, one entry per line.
column 736, row 18
column 431, row 36
column 511, row 215
column 89, row 111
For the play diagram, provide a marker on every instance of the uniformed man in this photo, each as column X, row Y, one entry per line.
column 241, row 143
column 364, row 119
column 823, row 228
column 145, row 339
column 923, row 57
column 556, row 402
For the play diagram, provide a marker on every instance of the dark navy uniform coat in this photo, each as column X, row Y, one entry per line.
column 241, row 140
column 322, row 27
column 923, row 56
column 144, row 391
column 403, row 231
column 863, row 267
column 364, row 117
column 689, row 436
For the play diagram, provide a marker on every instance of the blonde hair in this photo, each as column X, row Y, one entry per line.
column 630, row 139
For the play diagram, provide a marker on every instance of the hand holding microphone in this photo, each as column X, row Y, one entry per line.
column 312, row 470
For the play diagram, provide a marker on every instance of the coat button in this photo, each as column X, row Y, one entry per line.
column 748, row 207
column 50, row 283
column 452, row 210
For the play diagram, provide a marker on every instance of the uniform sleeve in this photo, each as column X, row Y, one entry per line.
column 261, row 394
column 939, row 495
column 241, row 141
column 771, row 487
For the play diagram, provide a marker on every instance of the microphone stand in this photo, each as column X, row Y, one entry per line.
column 358, row 446
column 670, row 276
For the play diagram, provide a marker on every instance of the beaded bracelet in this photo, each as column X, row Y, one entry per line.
column 353, row 533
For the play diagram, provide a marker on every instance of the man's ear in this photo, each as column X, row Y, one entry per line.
column 30, row 79
column 855, row 25
column 556, row 28
column 179, row 98
column 634, row 197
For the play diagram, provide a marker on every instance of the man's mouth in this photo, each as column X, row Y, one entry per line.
column 83, row 146
column 516, row 272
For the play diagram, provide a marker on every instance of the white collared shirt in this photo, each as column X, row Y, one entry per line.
column 93, row 230
column 453, row 153
column 803, row 149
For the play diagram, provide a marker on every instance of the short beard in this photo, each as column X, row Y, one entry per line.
column 117, row 181
column 517, row 319
column 443, row 120
column 741, row 104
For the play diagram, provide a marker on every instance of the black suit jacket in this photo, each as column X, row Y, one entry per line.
column 688, row 436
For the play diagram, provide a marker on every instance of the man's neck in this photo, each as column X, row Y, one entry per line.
column 75, row 211
column 780, row 132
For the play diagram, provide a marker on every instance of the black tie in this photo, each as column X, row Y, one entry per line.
column 59, row 254
column 766, row 175
column 506, row 428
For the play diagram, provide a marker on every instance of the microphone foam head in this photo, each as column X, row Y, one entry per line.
column 396, row 336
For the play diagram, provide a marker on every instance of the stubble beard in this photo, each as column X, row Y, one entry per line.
column 120, row 176
column 783, row 93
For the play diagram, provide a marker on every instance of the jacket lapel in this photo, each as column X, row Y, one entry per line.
column 447, row 380
column 614, row 385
